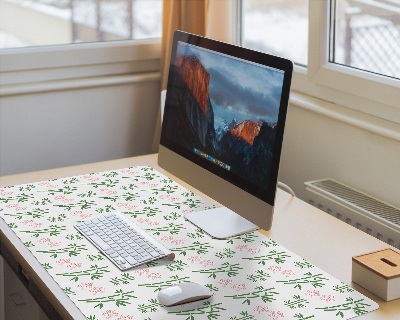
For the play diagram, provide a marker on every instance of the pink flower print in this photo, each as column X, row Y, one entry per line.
column 107, row 191
column 167, row 238
column 15, row 207
column 96, row 290
column 148, row 184
column 110, row 313
column 187, row 211
column 85, row 285
column 169, row 198
column 275, row 269
column 288, row 273
column 241, row 247
column 90, row 178
column 225, row 283
column 313, row 293
column 206, row 263
column 178, row 242
column 80, row 214
column 260, row 309
column 154, row 275
column 253, row 251
column 31, row 223
column 128, row 171
column 63, row 199
column 48, row 185
column 48, row 242
column 5, row 193
column 127, row 206
column 142, row 271
column 74, row 265
column 238, row 287
column 125, row 317
column 327, row 298
column 194, row 259
column 63, row 261
column 276, row 315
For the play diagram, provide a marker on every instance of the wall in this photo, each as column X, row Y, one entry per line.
column 317, row 147
column 69, row 127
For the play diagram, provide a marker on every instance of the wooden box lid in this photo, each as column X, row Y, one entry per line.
column 385, row 263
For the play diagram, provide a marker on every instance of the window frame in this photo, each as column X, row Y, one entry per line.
column 360, row 90
column 49, row 65
column 357, row 90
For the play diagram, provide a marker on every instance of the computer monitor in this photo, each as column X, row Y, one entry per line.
column 222, row 129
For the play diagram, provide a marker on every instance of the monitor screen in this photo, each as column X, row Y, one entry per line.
column 225, row 111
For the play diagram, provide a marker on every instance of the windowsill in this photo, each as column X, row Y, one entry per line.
column 355, row 118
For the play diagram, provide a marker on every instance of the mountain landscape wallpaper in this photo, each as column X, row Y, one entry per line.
column 225, row 109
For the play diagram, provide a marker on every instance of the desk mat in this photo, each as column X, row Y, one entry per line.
column 251, row 276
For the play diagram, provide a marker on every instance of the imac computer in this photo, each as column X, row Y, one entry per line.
column 222, row 130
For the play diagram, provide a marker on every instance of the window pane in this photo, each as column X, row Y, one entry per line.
column 278, row 27
column 48, row 22
column 365, row 34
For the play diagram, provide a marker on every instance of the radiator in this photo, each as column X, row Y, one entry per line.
column 364, row 212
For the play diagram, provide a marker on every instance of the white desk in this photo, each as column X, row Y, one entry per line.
column 310, row 233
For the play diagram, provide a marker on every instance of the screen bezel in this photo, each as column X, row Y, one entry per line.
column 268, row 194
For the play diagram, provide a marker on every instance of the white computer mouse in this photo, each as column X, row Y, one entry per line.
column 184, row 292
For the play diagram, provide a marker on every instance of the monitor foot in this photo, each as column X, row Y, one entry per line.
column 220, row 223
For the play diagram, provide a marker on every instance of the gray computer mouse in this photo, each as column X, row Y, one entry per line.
column 184, row 292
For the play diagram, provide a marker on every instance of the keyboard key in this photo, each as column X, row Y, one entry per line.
column 122, row 241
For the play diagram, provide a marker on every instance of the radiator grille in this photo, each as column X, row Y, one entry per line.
column 363, row 211
column 360, row 200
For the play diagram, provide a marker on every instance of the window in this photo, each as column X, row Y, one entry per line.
column 366, row 35
column 277, row 27
column 345, row 51
column 37, row 55
column 54, row 22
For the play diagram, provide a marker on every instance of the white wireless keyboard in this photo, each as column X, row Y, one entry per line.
column 122, row 241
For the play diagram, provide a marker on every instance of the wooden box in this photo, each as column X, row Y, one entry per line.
column 378, row 272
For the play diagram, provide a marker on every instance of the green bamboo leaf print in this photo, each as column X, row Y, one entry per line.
column 297, row 302
column 266, row 295
column 124, row 279
column 171, row 228
column 303, row 264
column 120, row 298
column 231, row 270
column 191, row 203
column 151, row 307
column 64, row 190
column 69, row 291
column 244, row 315
column 71, row 249
column 211, row 311
column 168, row 189
column 246, row 238
column 147, row 211
column 316, row 280
column 35, row 213
column 197, row 246
column 52, row 230
column 178, row 265
column 277, row 257
column 343, row 288
column 20, row 198
column 128, row 196
column 226, row 253
column 94, row 272
column 259, row 275
column 357, row 307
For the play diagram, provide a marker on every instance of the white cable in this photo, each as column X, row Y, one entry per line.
column 286, row 188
